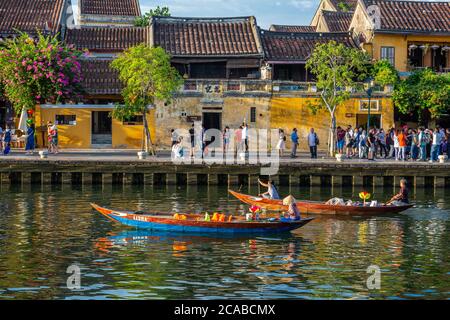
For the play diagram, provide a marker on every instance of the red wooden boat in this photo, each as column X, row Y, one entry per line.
column 194, row 223
column 317, row 207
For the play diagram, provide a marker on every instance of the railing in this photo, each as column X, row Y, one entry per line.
column 242, row 86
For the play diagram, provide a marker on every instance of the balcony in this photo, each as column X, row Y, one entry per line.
column 224, row 87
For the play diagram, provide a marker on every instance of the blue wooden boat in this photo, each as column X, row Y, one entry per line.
column 195, row 224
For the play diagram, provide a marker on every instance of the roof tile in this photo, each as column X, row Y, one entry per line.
column 100, row 39
column 110, row 7
column 289, row 28
column 29, row 16
column 206, row 36
column 338, row 21
column 283, row 46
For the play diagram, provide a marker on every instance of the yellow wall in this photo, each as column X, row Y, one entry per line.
column 289, row 113
column 400, row 42
column 79, row 136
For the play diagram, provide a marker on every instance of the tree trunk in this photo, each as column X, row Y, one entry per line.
column 332, row 136
column 148, row 139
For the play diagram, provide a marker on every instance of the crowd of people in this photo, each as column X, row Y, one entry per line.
column 402, row 144
column 29, row 137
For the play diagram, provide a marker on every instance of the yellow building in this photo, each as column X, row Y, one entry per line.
column 410, row 34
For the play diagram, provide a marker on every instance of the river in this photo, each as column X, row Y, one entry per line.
column 44, row 230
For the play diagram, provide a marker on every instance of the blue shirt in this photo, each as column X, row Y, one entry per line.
column 294, row 137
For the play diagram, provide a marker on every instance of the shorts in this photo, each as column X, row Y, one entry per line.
column 340, row 144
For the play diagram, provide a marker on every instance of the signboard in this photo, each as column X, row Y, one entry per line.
column 193, row 118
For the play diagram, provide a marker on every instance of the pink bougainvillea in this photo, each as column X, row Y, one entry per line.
column 34, row 71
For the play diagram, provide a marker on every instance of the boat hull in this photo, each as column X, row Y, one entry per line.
column 319, row 208
column 191, row 225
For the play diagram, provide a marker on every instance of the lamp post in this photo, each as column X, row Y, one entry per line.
column 369, row 92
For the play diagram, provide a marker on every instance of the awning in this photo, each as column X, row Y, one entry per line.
column 286, row 62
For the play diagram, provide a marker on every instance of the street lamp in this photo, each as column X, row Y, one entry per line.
column 369, row 91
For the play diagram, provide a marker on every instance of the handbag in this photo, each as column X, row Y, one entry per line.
column 317, row 139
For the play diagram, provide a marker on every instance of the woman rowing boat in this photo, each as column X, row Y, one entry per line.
column 272, row 192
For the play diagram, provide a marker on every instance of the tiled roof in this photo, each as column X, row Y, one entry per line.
column 337, row 21
column 206, row 36
column 99, row 78
column 110, row 7
column 413, row 16
column 29, row 16
column 287, row 28
column 297, row 47
column 106, row 39
column 349, row 4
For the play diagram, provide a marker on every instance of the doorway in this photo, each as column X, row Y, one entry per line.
column 101, row 129
column 212, row 120
column 362, row 119
column 2, row 117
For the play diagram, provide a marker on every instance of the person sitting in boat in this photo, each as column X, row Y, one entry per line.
column 293, row 212
column 272, row 192
column 402, row 197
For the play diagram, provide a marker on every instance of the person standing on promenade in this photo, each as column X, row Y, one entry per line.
column 281, row 145
column 30, row 145
column 294, row 141
column 390, row 142
column 401, row 145
column 340, row 133
column 54, row 134
column 356, row 137
column 435, row 147
column 423, row 141
column 414, row 145
column 192, row 136
column 1, row 139
column 362, row 144
column 7, row 136
column 382, row 143
column 313, row 142
column 371, row 140
column 245, row 135
column 226, row 140
column 349, row 141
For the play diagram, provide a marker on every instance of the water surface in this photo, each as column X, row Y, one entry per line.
column 45, row 230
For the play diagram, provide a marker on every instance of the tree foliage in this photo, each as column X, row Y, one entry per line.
column 384, row 73
column 337, row 68
column 423, row 90
column 144, row 20
column 36, row 70
column 148, row 77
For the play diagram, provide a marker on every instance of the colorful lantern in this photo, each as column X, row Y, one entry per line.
column 365, row 196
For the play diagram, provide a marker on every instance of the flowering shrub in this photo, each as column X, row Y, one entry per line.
column 34, row 71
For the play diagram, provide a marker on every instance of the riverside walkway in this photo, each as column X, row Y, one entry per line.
column 124, row 167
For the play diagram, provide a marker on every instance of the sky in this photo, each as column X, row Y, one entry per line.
column 267, row 12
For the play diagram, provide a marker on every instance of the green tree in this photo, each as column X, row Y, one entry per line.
column 144, row 20
column 336, row 68
column 36, row 70
column 148, row 77
column 423, row 91
column 384, row 73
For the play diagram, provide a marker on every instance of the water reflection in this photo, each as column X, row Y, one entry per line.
column 44, row 230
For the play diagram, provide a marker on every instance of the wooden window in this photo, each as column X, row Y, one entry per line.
column 253, row 114
column 388, row 53
column 66, row 120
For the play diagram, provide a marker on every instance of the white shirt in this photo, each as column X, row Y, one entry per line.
column 437, row 137
column 244, row 133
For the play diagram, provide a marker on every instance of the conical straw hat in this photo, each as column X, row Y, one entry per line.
column 289, row 200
